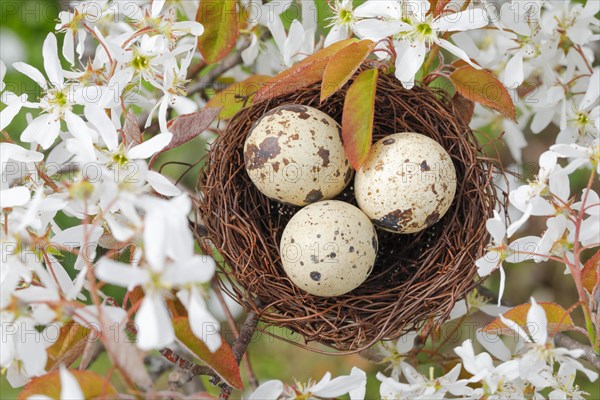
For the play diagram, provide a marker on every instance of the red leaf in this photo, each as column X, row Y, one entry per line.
column 220, row 21
column 357, row 119
column 482, row 87
column 188, row 126
column 342, row 66
column 305, row 73
column 68, row 347
column 92, row 385
column 232, row 99
column 558, row 319
column 464, row 107
column 221, row 361
column 590, row 273
column 131, row 129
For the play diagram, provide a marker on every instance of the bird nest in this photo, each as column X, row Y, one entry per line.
column 416, row 277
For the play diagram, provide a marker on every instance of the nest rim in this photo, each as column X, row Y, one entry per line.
column 425, row 277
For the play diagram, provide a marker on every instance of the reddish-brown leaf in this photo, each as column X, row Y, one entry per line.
column 188, row 126
column 481, row 86
column 92, row 385
column 590, row 273
column 464, row 107
column 220, row 21
column 305, row 73
column 342, row 66
column 131, row 129
column 558, row 319
column 357, row 118
column 221, row 361
column 68, row 347
column 233, row 98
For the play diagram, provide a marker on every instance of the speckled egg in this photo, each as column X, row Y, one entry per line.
column 294, row 154
column 328, row 248
column 406, row 184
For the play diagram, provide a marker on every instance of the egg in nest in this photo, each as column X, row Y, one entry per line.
column 406, row 184
column 328, row 248
column 294, row 154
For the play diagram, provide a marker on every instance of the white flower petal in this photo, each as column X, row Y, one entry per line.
column 391, row 9
column 51, row 61
column 336, row 34
column 44, row 130
column 15, row 196
column 120, row 274
column 203, row 324
column 9, row 113
column 69, row 387
column 68, row 49
column 376, row 30
column 103, row 124
column 161, row 184
column 157, row 6
column 473, row 18
column 269, row 390
column 359, row 392
column 155, row 329
column 409, row 61
column 494, row 345
column 150, row 147
column 32, row 73
column 460, row 53
column 537, row 323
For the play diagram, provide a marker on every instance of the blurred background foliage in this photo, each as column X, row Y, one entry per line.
column 23, row 26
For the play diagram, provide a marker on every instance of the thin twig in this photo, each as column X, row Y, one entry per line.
column 572, row 344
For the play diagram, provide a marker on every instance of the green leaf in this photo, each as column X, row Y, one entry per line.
column 590, row 272
column 92, row 385
column 220, row 21
column 221, row 361
column 232, row 99
column 342, row 66
column 357, row 118
column 305, row 73
column 482, row 87
column 558, row 319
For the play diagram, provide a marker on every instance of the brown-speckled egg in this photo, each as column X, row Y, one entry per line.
column 328, row 248
column 406, row 184
column 294, row 154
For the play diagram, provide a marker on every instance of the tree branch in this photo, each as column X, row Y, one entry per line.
column 572, row 344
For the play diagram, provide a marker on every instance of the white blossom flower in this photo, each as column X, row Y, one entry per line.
column 500, row 250
column 564, row 385
column 12, row 101
column 56, row 102
column 540, row 348
column 342, row 22
column 354, row 385
column 420, row 387
column 581, row 156
column 483, row 369
column 474, row 301
column 73, row 24
column 534, row 198
column 171, row 264
column 417, row 30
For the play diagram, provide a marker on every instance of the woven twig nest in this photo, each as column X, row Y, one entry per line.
column 415, row 277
